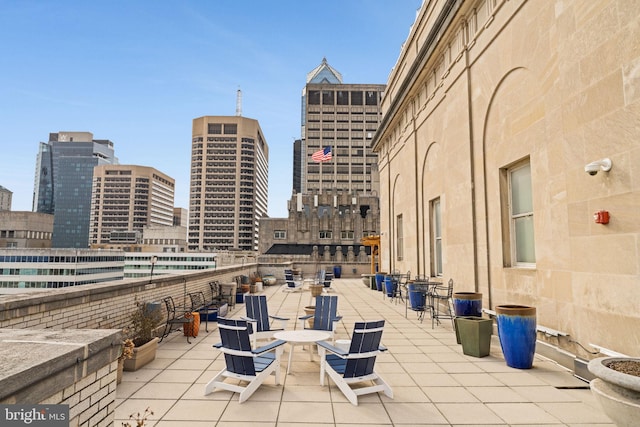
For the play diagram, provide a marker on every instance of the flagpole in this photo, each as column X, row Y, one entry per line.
column 320, row 191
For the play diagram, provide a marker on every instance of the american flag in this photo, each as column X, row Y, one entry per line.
column 323, row 155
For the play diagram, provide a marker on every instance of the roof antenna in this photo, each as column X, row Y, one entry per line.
column 239, row 103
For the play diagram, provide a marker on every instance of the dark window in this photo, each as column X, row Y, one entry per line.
column 342, row 97
column 356, row 98
column 314, row 97
column 215, row 128
column 230, row 129
column 372, row 98
column 327, row 97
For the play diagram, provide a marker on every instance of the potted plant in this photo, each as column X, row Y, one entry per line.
column 126, row 352
column 144, row 321
column 617, row 388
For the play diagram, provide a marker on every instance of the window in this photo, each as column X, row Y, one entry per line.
column 522, row 215
column 371, row 98
column 327, row 97
column 342, row 97
column 399, row 237
column 325, row 234
column 215, row 128
column 346, row 235
column 313, row 97
column 520, row 244
column 356, row 98
column 230, row 129
column 279, row 234
column 436, row 238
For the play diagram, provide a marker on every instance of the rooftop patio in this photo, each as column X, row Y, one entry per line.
column 433, row 382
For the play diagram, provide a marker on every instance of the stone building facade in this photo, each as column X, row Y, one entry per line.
column 327, row 226
column 491, row 115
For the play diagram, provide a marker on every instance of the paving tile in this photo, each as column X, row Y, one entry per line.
column 186, row 411
column 476, row 379
column 468, row 413
column 138, row 406
column 521, row 413
column 161, row 391
column 306, row 394
column 177, row 376
column 414, row 413
column 497, row 394
column 406, row 394
column 306, row 412
column 450, row 394
column 545, row 394
column 365, row 413
column 434, row 380
column 572, row 412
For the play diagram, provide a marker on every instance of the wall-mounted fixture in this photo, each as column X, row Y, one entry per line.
column 600, row 165
column 601, row 217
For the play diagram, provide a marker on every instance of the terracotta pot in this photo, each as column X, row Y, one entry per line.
column 316, row 290
column 310, row 309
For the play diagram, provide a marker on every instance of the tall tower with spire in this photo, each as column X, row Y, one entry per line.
column 341, row 119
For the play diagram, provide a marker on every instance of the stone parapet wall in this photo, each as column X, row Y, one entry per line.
column 108, row 305
column 71, row 367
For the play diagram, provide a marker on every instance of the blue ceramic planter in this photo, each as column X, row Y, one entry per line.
column 467, row 304
column 379, row 279
column 517, row 333
column 389, row 286
column 417, row 300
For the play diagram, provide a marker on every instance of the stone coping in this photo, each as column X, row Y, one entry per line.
column 29, row 355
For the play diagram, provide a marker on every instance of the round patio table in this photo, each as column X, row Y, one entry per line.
column 302, row 336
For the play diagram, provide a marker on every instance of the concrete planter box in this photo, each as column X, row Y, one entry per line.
column 142, row 355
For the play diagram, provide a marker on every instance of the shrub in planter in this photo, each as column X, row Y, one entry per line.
column 144, row 321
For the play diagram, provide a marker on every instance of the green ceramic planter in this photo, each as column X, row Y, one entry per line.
column 475, row 335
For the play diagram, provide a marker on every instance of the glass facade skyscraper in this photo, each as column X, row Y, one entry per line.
column 63, row 181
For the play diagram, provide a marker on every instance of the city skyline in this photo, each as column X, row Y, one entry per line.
column 140, row 80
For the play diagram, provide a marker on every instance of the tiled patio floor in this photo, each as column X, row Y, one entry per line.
column 433, row 382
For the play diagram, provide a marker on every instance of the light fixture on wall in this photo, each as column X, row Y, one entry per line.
column 599, row 165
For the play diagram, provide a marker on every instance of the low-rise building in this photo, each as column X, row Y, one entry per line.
column 23, row 229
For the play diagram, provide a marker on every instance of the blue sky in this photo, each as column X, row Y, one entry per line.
column 138, row 72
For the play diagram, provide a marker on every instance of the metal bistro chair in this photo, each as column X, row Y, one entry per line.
column 442, row 294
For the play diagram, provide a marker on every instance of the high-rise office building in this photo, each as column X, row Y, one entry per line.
column 126, row 198
column 63, row 182
column 335, row 202
column 341, row 119
column 229, row 183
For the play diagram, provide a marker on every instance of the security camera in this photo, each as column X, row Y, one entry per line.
column 594, row 167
